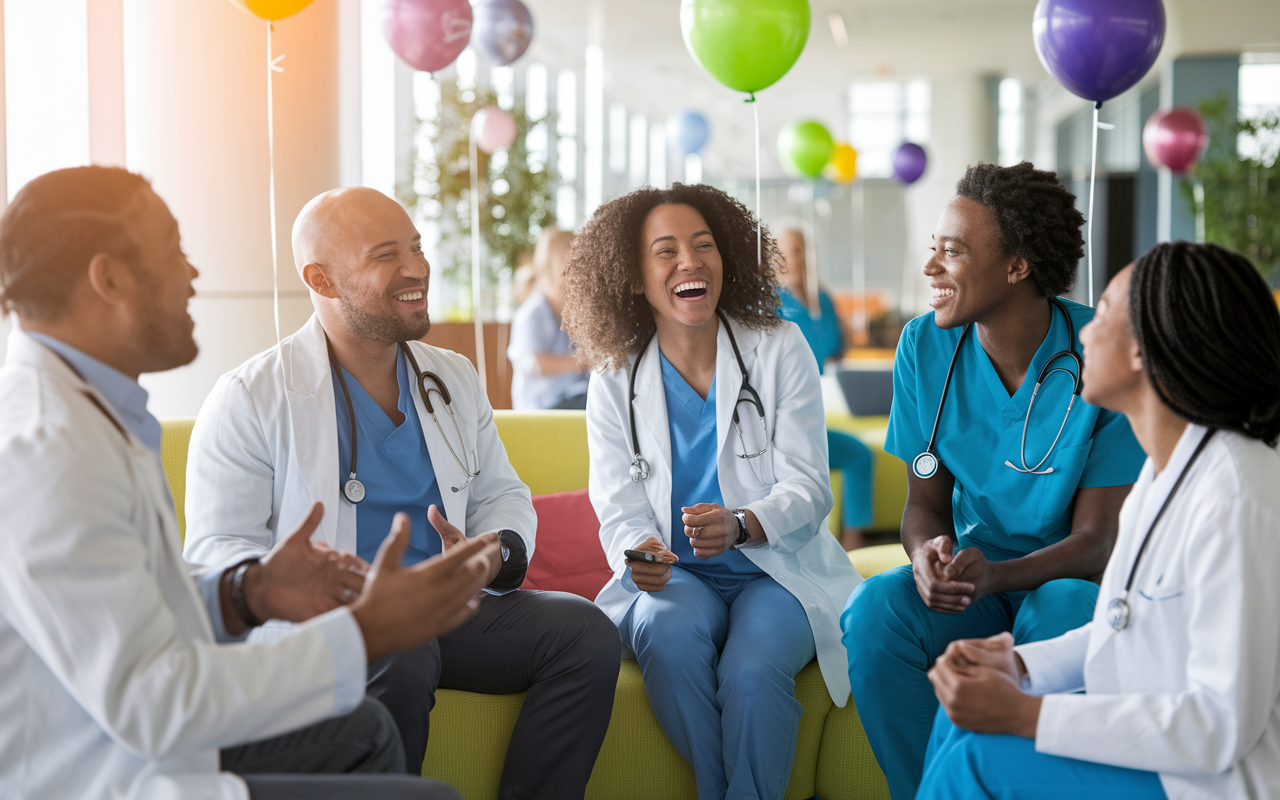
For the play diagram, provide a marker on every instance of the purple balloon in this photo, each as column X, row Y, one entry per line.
column 427, row 34
column 1098, row 48
column 503, row 29
column 909, row 161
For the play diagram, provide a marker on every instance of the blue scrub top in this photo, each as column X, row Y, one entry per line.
column 695, row 478
column 823, row 334
column 1005, row 513
column 394, row 467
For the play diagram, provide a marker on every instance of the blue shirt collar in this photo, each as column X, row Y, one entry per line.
column 126, row 396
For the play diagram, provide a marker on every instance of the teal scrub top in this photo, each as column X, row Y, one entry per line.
column 695, row 477
column 823, row 334
column 1004, row 513
column 394, row 466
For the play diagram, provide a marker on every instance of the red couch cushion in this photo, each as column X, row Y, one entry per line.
column 567, row 556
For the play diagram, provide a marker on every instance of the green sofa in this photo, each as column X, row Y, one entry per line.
column 469, row 731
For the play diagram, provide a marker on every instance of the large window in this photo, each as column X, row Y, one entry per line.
column 46, row 53
column 883, row 115
column 1259, row 97
column 1011, row 122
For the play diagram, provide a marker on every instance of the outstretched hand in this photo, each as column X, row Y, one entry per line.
column 301, row 578
column 405, row 607
column 451, row 536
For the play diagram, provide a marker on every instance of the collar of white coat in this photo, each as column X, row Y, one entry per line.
column 24, row 350
column 649, row 385
column 305, row 360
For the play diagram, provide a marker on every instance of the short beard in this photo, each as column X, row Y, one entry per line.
column 387, row 329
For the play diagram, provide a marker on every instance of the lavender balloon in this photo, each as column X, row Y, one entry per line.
column 503, row 29
column 909, row 161
column 1098, row 48
column 427, row 34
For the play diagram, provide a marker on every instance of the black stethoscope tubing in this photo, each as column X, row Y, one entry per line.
column 1118, row 612
column 353, row 489
column 639, row 466
column 925, row 465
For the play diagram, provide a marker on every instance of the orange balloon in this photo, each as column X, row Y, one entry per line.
column 271, row 9
column 843, row 165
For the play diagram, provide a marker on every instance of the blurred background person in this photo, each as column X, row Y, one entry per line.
column 829, row 337
column 546, row 372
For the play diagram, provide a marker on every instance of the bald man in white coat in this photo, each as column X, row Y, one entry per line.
column 354, row 412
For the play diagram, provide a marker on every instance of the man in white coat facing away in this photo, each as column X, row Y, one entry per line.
column 353, row 412
column 118, row 682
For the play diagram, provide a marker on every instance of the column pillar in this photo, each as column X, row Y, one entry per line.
column 196, row 125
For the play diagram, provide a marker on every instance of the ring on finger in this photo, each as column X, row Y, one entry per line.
column 697, row 532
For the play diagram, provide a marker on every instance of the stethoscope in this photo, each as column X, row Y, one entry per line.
column 1118, row 611
column 353, row 489
column 640, row 467
column 925, row 465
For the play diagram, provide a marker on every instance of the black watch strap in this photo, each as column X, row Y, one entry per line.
column 744, row 535
column 238, row 602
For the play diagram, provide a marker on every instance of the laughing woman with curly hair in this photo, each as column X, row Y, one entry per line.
column 709, row 476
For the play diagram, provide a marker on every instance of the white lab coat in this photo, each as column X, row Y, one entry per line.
column 112, row 684
column 788, row 488
column 1191, row 689
column 265, row 447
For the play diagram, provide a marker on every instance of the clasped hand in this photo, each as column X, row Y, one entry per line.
column 978, row 683
column 951, row 583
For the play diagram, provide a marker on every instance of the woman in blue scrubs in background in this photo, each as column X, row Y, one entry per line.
column 828, row 338
column 998, row 540
column 709, row 452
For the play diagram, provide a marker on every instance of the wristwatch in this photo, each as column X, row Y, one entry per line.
column 744, row 535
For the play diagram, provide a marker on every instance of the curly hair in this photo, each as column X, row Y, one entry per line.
column 1036, row 218
column 1209, row 334
column 605, row 311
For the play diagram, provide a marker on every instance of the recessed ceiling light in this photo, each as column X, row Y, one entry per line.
column 839, row 33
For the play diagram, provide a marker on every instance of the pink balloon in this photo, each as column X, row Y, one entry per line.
column 493, row 129
column 427, row 34
column 1175, row 138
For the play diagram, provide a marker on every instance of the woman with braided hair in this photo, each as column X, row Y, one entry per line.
column 1014, row 483
column 1180, row 664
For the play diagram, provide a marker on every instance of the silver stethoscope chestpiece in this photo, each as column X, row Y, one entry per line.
column 925, row 465
column 353, row 490
column 1118, row 613
column 639, row 470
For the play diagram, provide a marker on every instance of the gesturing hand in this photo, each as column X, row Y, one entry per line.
column 711, row 528
column 404, row 607
column 936, row 590
column 451, row 536
column 652, row 577
column 301, row 578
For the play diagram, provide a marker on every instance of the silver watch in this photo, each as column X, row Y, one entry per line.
column 744, row 535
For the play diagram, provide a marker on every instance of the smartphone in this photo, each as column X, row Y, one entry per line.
column 637, row 555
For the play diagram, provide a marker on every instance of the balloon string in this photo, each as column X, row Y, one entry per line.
column 475, row 264
column 273, row 66
column 755, row 112
column 1093, row 170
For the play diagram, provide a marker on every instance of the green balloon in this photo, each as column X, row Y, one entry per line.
column 745, row 44
column 805, row 148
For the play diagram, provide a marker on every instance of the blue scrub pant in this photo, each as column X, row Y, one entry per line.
column 848, row 454
column 964, row 765
column 719, row 658
column 892, row 640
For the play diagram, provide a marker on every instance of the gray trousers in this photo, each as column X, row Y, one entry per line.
column 558, row 647
column 351, row 757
